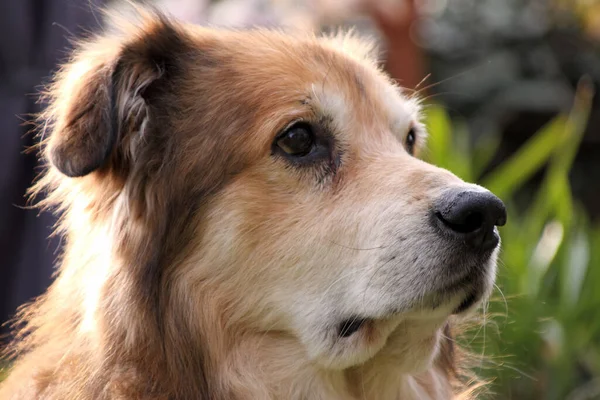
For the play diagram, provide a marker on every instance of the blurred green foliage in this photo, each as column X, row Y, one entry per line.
column 541, row 337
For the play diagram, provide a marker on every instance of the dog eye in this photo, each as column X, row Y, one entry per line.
column 298, row 140
column 410, row 140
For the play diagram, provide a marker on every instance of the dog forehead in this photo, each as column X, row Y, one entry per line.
column 279, row 59
column 376, row 102
column 274, row 78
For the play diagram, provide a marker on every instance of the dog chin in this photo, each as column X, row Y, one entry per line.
column 390, row 340
column 465, row 294
column 355, row 339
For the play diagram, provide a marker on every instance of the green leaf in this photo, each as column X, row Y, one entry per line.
column 439, row 142
column 485, row 149
column 509, row 176
column 543, row 255
column 460, row 161
column 578, row 257
column 554, row 196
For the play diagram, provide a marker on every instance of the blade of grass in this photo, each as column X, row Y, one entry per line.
column 508, row 177
column 440, row 136
column 554, row 196
column 485, row 149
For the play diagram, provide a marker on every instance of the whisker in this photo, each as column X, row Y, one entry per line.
column 374, row 274
column 356, row 248
column 504, row 300
column 484, row 325
column 421, row 82
column 450, row 78
column 520, row 372
column 439, row 94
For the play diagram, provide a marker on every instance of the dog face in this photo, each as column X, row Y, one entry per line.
column 279, row 176
column 332, row 232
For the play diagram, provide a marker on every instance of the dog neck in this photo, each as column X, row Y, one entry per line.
column 275, row 366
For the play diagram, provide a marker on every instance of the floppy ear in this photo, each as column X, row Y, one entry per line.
column 103, row 95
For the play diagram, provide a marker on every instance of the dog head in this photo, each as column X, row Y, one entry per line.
column 277, row 176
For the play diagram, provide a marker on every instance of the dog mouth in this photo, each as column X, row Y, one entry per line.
column 350, row 326
column 472, row 287
column 468, row 288
column 471, row 298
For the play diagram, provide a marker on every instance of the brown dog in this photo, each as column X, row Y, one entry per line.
column 245, row 218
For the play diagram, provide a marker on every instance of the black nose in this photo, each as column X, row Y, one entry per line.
column 471, row 216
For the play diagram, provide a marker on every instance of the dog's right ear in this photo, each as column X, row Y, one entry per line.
column 104, row 94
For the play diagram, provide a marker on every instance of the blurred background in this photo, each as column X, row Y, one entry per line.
column 508, row 89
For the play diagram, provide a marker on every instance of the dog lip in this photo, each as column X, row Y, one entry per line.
column 468, row 301
column 471, row 284
column 461, row 282
column 351, row 325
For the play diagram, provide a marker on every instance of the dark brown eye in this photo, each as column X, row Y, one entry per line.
column 298, row 140
column 410, row 140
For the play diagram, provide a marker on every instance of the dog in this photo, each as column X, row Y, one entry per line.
column 245, row 216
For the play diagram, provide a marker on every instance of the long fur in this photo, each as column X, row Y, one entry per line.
column 198, row 265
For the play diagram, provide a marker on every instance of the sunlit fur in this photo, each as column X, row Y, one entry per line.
column 201, row 264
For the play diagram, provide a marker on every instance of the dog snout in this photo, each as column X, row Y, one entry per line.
column 471, row 216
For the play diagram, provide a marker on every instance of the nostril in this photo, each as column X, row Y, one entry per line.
column 473, row 222
column 470, row 222
column 470, row 216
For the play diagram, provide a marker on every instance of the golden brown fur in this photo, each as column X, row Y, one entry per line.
column 192, row 253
